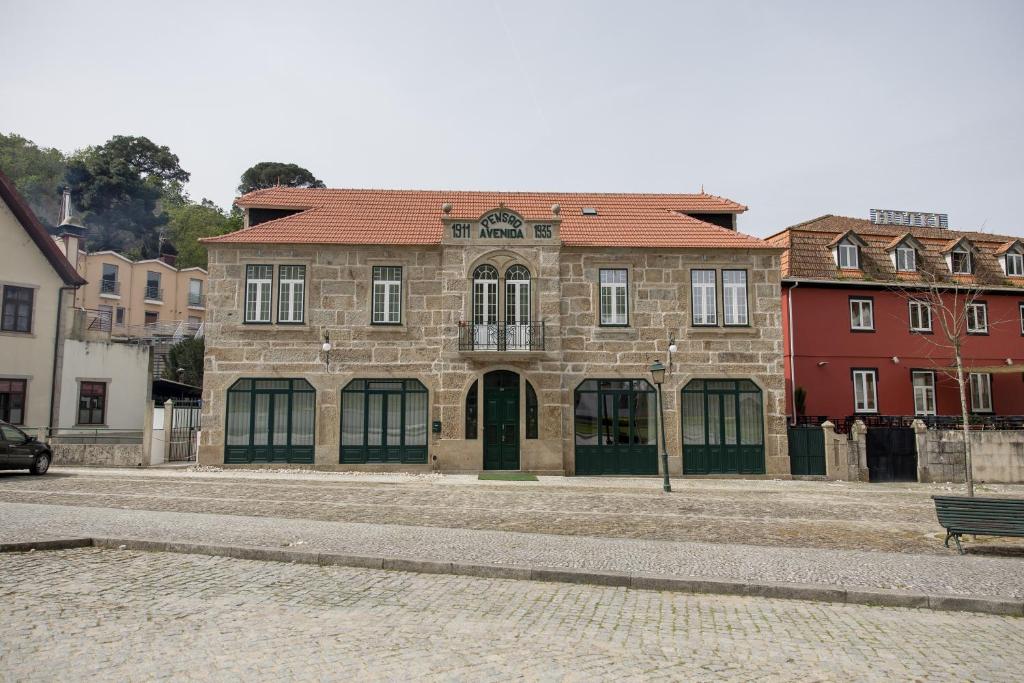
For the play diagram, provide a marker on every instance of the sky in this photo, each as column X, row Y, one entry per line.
column 795, row 109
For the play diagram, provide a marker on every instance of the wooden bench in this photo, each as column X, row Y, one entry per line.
column 982, row 516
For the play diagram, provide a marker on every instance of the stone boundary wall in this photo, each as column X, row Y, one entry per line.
column 997, row 456
column 99, row 454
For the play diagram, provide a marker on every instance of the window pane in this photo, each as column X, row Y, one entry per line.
column 693, row 418
column 471, row 407
column 280, row 435
column 261, row 419
column 585, row 410
column 416, row 419
column 374, row 419
column 239, row 405
column 646, row 424
column 532, row 410
column 352, row 419
column 729, row 420
column 751, row 427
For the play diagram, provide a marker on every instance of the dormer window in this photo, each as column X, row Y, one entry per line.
column 960, row 261
column 1013, row 262
column 848, row 255
column 906, row 259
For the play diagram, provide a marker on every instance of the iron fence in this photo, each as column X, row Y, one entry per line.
column 501, row 336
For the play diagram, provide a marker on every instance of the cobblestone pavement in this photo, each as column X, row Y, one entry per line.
column 773, row 513
column 950, row 574
column 118, row 615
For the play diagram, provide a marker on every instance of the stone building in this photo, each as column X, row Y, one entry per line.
column 461, row 331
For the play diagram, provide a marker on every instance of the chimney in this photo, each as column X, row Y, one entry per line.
column 72, row 232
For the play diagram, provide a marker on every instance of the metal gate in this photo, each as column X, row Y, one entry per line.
column 184, row 425
column 891, row 454
column 807, row 450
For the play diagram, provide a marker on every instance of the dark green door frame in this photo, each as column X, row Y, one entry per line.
column 501, row 420
column 721, row 444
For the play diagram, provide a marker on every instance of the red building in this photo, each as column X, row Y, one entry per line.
column 861, row 301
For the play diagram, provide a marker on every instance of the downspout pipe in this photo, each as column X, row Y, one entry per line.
column 792, row 358
column 57, row 337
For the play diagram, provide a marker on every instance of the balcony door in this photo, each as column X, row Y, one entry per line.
column 517, row 308
column 485, row 308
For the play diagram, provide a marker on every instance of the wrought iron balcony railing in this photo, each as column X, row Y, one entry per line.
column 501, row 336
column 110, row 287
column 154, row 293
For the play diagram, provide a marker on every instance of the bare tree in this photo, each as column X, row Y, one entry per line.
column 949, row 302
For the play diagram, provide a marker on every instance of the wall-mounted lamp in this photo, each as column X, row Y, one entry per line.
column 1009, row 361
column 672, row 348
column 822, row 363
column 326, row 347
column 896, row 359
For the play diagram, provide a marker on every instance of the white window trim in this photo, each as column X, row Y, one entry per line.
column 984, row 315
column 913, row 259
column 972, row 382
column 263, row 289
column 847, row 246
column 924, row 393
column 1018, row 259
column 288, row 312
column 618, row 316
column 707, row 294
column 969, row 262
column 734, row 299
column 927, row 307
column 391, row 314
column 860, row 382
column 871, row 311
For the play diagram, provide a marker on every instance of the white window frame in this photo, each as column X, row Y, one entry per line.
column 981, row 392
column 1014, row 262
column 291, row 294
column 863, row 401
column 387, row 292
column 906, row 259
column 852, row 255
column 856, row 322
column 983, row 318
column 924, row 395
column 258, row 293
column 613, row 297
column 968, row 261
column 734, row 298
column 924, row 310
column 703, row 289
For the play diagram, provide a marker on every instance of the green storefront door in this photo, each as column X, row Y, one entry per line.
column 723, row 427
column 501, row 420
column 615, row 427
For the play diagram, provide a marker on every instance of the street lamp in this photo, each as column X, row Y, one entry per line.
column 658, row 374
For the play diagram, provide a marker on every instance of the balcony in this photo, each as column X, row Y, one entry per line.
column 154, row 293
column 196, row 300
column 501, row 336
column 110, row 287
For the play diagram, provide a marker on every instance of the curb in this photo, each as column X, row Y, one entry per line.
column 654, row 582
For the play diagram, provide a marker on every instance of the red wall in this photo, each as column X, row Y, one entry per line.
column 821, row 333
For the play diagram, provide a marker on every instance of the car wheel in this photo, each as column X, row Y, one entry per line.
column 41, row 464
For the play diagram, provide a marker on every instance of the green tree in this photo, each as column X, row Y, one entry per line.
column 187, row 355
column 37, row 172
column 270, row 173
column 119, row 187
column 189, row 222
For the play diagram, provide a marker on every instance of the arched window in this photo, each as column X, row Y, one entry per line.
column 485, row 307
column 616, row 427
column 723, row 428
column 471, row 411
column 384, row 420
column 270, row 420
column 532, row 412
column 517, row 307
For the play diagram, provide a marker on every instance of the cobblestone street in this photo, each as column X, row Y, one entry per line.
column 898, row 518
column 118, row 615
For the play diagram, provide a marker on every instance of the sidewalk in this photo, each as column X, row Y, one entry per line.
column 971, row 576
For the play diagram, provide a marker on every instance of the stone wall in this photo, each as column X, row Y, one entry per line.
column 99, row 454
column 437, row 296
column 997, row 456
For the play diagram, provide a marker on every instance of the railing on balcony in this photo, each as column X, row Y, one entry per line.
column 197, row 300
column 97, row 320
column 501, row 336
column 110, row 287
column 154, row 293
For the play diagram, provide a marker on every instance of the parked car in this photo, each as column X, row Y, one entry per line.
column 19, row 451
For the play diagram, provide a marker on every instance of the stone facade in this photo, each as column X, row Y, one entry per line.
column 99, row 454
column 437, row 295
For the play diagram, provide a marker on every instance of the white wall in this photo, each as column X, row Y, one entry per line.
column 29, row 356
column 125, row 369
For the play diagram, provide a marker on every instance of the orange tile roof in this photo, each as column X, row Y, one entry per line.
column 350, row 216
column 809, row 255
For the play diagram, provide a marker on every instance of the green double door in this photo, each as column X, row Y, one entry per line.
column 501, row 420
